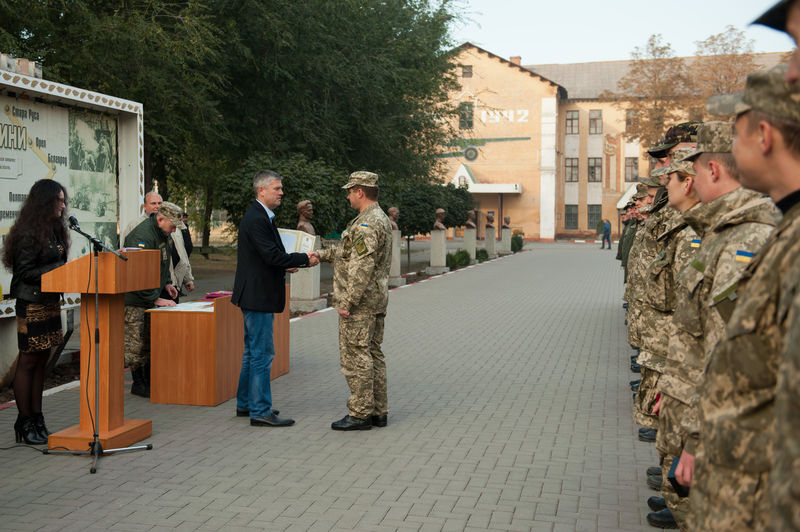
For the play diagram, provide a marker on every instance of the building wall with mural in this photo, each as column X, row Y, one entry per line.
column 506, row 151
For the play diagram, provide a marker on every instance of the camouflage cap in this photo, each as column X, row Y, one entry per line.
column 362, row 178
column 680, row 164
column 775, row 17
column 650, row 181
column 641, row 191
column 765, row 91
column 713, row 137
column 684, row 132
column 172, row 212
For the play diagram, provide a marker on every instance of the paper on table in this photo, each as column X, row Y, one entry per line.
column 297, row 241
column 191, row 306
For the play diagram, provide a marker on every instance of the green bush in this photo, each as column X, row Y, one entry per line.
column 450, row 261
column 516, row 243
column 462, row 258
column 481, row 255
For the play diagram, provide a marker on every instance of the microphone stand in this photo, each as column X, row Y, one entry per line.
column 95, row 448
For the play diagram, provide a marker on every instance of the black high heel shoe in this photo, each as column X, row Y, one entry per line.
column 41, row 428
column 25, row 430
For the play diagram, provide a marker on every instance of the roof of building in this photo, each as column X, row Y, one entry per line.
column 585, row 81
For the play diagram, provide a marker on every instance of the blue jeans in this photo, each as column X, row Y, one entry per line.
column 254, row 392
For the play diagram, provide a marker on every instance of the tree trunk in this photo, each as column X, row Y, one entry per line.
column 209, row 206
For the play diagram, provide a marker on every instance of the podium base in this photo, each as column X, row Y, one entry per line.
column 75, row 439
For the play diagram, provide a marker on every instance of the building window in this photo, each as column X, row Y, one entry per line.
column 465, row 111
column 595, row 215
column 572, row 122
column 595, row 122
column 631, row 168
column 571, row 168
column 570, row 216
column 466, row 71
column 595, row 169
column 630, row 116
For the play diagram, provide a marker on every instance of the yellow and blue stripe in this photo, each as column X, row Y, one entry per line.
column 744, row 256
column 695, row 243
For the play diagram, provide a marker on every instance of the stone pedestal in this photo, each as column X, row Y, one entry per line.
column 304, row 291
column 395, row 279
column 438, row 253
column 491, row 242
column 470, row 238
column 505, row 241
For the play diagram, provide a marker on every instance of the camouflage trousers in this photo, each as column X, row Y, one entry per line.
column 669, row 444
column 137, row 337
column 363, row 364
column 646, row 399
column 723, row 499
column 633, row 316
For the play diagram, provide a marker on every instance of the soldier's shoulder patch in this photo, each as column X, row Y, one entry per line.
column 364, row 225
column 695, row 243
column 698, row 265
column 360, row 245
column 141, row 244
column 744, row 256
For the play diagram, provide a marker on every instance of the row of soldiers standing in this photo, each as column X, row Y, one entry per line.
column 711, row 251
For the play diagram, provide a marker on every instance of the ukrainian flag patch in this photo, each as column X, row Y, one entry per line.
column 744, row 256
column 141, row 244
column 695, row 243
column 364, row 225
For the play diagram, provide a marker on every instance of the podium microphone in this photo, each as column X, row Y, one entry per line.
column 73, row 223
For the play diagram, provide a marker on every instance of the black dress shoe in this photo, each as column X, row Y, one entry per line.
column 653, row 470
column 635, row 387
column 636, row 368
column 633, row 358
column 662, row 519
column 271, row 421
column 352, row 423
column 246, row 413
column 635, row 381
column 648, row 435
column 378, row 421
column 656, row 503
column 654, row 482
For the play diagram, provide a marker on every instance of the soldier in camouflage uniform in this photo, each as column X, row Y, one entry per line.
column 730, row 488
column 360, row 293
column 733, row 224
column 152, row 233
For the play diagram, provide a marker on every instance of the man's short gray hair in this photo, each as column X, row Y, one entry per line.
column 263, row 179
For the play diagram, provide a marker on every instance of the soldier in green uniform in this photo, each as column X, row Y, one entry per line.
column 730, row 484
column 361, row 264
column 152, row 233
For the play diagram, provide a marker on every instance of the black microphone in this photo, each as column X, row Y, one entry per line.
column 73, row 223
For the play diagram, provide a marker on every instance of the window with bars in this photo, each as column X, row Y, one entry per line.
column 570, row 216
column 571, row 169
column 595, row 214
column 595, row 122
column 465, row 115
column 595, row 169
column 572, row 122
column 631, row 168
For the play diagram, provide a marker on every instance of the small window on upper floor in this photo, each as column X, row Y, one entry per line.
column 630, row 116
column 572, row 122
column 466, row 71
column 595, row 122
column 465, row 115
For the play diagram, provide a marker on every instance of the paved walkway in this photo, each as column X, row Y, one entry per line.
column 509, row 410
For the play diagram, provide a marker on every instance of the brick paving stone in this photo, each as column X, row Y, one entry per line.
column 509, row 410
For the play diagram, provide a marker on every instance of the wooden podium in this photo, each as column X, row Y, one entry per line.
column 139, row 272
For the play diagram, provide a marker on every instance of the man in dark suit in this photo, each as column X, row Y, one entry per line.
column 259, row 291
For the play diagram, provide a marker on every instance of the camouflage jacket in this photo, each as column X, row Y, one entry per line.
column 626, row 241
column 678, row 243
column 737, row 395
column 148, row 235
column 733, row 228
column 361, row 263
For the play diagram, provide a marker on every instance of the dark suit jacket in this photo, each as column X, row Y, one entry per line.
column 261, row 264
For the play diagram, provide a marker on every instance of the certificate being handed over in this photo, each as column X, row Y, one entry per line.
column 297, row 241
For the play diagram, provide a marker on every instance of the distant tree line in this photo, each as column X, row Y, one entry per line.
column 313, row 89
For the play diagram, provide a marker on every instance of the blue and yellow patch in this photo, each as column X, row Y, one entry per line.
column 364, row 225
column 744, row 256
column 141, row 244
column 695, row 243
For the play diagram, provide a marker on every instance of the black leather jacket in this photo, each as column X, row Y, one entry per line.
column 26, row 280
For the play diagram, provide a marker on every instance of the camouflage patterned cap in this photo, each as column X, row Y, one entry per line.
column 680, row 164
column 685, row 132
column 362, row 178
column 172, row 212
column 641, row 191
column 766, row 91
column 775, row 17
column 714, row 137
column 650, row 181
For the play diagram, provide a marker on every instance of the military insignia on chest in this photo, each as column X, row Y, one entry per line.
column 360, row 245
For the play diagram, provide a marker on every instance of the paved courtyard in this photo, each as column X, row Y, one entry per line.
column 509, row 410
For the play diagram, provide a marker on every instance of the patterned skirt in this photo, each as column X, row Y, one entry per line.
column 38, row 326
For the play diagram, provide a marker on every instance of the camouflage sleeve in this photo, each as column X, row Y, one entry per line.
column 738, row 252
column 685, row 249
column 360, row 265
column 328, row 254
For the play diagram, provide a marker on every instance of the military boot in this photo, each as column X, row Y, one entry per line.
column 139, row 386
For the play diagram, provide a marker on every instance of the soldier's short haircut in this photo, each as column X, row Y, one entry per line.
column 789, row 129
column 371, row 193
column 263, row 179
column 725, row 159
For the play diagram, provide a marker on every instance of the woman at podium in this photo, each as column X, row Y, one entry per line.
column 37, row 243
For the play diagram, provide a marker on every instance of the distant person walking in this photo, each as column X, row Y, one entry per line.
column 606, row 234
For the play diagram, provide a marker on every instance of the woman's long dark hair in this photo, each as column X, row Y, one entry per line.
column 33, row 220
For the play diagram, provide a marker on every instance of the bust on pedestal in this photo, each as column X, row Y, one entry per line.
column 395, row 278
column 470, row 235
column 304, row 292
column 491, row 236
column 505, row 236
column 438, row 246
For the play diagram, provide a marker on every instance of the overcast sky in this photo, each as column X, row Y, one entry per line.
column 575, row 31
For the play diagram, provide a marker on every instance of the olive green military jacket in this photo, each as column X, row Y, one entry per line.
column 148, row 235
column 737, row 395
column 361, row 263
